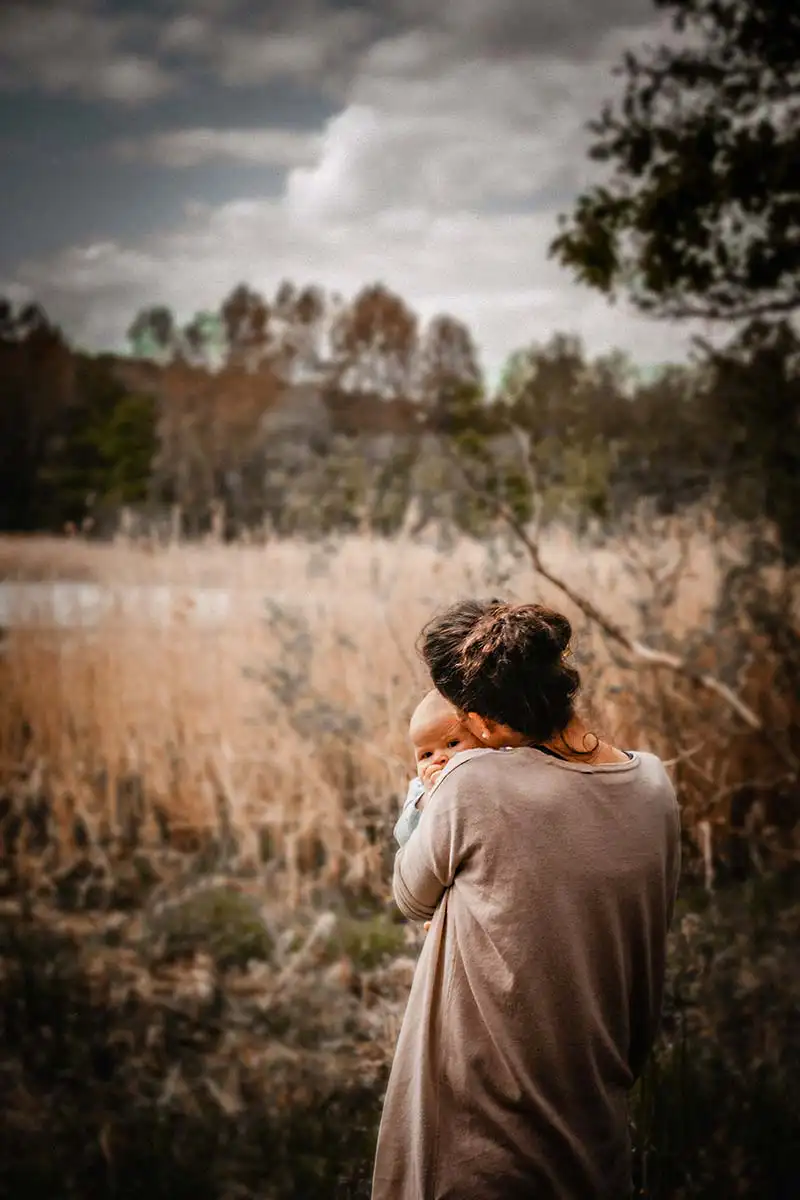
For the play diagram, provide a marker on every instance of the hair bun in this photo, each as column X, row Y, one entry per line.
column 560, row 630
column 541, row 627
column 505, row 631
column 505, row 662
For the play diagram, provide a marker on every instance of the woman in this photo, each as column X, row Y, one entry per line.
column 548, row 872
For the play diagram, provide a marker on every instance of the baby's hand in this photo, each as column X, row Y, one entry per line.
column 426, row 926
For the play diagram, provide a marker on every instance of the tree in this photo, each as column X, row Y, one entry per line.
column 672, row 447
column 753, row 391
column 203, row 341
column 36, row 392
column 542, row 388
column 700, row 217
column 450, row 376
column 374, row 342
column 700, row 214
column 301, row 313
column 246, row 319
column 153, row 333
column 104, row 450
column 570, row 414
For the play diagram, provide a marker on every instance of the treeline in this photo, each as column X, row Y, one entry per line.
column 71, row 433
column 308, row 414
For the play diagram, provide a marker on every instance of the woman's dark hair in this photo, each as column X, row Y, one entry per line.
column 505, row 662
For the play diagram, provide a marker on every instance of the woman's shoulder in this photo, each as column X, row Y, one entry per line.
column 470, row 767
column 458, row 760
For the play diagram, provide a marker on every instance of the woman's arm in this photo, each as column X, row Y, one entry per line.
column 426, row 866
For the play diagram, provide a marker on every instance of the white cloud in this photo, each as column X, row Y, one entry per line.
column 475, row 136
column 426, row 128
column 78, row 50
column 340, row 181
column 244, row 59
column 507, row 28
column 310, row 44
column 126, row 78
column 489, row 271
column 192, row 147
column 187, row 34
column 441, row 175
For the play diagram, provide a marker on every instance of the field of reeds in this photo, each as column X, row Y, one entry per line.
column 202, row 753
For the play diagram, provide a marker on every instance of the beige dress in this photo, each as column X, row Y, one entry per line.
column 537, row 993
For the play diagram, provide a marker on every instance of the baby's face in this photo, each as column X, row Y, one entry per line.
column 437, row 733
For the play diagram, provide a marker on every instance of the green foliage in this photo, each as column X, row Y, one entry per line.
column 698, row 217
column 125, row 1078
column 153, row 333
column 36, row 390
column 126, row 445
column 218, row 921
column 564, row 433
column 106, row 445
column 119, row 1082
column 699, row 213
column 717, row 1111
column 68, row 428
column 367, row 941
column 754, row 390
column 587, row 479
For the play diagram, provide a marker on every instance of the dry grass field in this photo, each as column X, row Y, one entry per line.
column 269, row 687
column 202, row 753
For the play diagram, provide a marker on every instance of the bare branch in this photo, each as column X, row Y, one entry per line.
column 642, row 654
column 684, row 756
column 741, row 312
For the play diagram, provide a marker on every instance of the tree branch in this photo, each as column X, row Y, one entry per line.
column 744, row 312
column 643, row 654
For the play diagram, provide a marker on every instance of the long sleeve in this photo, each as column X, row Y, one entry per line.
column 427, row 864
column 552, row 885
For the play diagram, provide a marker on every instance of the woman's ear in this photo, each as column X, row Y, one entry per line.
column 479, row 727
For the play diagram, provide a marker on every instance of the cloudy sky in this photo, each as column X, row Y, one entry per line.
column 165, row 150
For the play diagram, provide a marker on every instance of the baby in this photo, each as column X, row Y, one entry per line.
column 436, row 733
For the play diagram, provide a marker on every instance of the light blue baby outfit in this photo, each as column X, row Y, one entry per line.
column 409, row 818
